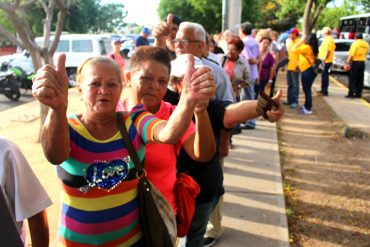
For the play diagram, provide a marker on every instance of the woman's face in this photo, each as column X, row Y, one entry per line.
column 233, row 52
column 264, row 44
column 150, row 84
column 100, row 88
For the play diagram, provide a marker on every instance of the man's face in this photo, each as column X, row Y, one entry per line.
column 186, row 42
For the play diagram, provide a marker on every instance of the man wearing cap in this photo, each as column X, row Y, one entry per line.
column 356, row 62
column 326, row 55
column 293, row 70
column 143, row 38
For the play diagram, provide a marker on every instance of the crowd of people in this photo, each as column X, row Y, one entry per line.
column 180, row 100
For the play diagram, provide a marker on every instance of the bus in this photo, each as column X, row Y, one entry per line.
column 355, row 24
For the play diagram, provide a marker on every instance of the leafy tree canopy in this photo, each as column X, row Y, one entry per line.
column 83, row 16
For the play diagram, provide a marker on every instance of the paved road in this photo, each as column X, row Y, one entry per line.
column 6, row 103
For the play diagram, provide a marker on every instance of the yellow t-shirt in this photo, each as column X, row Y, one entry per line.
column 358, row 50
column 293, row 57
column 326, row 46
column 306, row 57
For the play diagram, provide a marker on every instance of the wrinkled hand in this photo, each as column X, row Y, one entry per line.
column 50, row 85
column 162, row 30
column 198, row 83
column 275, row 115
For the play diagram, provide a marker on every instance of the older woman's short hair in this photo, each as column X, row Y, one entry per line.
column 94, row 60
column 326, row 31
column 235, row 40
column 199, row 32
column 146, row 53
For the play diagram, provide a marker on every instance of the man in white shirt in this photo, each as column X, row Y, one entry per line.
column 24, row 195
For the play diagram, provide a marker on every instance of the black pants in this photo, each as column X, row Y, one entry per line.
column 356, row 79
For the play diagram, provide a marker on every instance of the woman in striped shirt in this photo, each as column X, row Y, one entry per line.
column 98, row 180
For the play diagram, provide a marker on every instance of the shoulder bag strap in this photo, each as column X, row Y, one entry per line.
column 128, row 142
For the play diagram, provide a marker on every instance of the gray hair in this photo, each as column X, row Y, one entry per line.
column 199, row 32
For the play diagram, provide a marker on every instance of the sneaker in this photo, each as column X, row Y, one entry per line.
column 248, row 127
column 304, row 111
column 349, row 96
column 293, row 105
column 209, row 242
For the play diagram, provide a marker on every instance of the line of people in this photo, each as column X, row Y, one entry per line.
column 100, row 208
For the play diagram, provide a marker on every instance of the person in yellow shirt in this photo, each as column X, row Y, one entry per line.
column 326, row 55
column 307, row 49
column 356, row 61
column 293, row 71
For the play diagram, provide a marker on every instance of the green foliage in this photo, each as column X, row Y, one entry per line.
column 83, row 16
column 206, row 12
column 366, row 5
column 330, row 16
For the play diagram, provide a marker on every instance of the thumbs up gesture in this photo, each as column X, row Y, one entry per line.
column 198, row 84
column 162, row 31
column 50, row 85
column 275, row 114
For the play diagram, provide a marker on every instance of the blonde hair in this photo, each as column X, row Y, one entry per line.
column 263, row 34
column 95, row 60
column 326, row 31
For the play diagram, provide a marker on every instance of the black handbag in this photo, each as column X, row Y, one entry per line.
column 157, row 219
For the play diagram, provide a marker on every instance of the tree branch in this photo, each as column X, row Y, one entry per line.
column 9, row 36
column 60, row 23
column 28, row 4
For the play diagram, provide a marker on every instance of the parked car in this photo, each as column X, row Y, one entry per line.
column 367, row 72
column 340, row 54
column 128, row 46
column 79, row 47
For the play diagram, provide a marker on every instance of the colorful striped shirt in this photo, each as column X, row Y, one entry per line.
column 99, row 185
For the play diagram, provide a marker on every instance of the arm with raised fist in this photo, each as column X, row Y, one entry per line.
column 198, row 85
column 50, row 87
column 162, row 31
column 247, row 109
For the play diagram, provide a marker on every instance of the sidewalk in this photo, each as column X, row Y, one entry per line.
column 355, row 113
column 254, row 209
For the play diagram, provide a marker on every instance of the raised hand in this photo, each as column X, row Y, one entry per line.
column 198, row 83
column 161, row 31
column 275, row 115
column 50, row 85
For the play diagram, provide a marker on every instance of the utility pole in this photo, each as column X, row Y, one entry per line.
column 225, row 14
column 231, row 15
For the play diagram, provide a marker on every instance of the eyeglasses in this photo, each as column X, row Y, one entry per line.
column 184, row 41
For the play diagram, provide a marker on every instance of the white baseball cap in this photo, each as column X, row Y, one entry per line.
column 179, row 65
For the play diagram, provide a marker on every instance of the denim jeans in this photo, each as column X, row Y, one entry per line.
column 293, row 87
column 248, row 93
column 198, row 225
column 308, row 76
column 325, row 78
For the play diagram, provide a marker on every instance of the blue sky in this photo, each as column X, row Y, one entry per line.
column 142, row 12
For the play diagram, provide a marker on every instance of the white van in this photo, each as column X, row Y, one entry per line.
column 79, row 47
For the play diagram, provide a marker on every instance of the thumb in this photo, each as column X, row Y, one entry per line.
column 189, row 70
column 169, row 19
column 61, row 68
column 278, row 95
